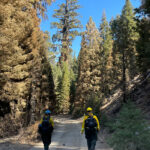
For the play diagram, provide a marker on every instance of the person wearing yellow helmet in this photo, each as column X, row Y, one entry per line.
column 89, row 109
column 91, row 127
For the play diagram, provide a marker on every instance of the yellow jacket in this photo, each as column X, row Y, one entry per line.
column 50, row 120
column 86, row 117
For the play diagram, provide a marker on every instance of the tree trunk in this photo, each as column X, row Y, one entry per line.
column 124, row 77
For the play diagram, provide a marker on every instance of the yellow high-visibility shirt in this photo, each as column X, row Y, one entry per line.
column 86, row 117
column 50, row 120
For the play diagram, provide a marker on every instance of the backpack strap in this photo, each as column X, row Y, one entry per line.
column 46, row 118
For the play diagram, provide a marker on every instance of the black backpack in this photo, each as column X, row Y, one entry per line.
column 90, row 126
column 46, row 127
column 90, row 123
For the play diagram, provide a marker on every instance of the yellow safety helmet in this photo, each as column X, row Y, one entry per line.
column 89, row 109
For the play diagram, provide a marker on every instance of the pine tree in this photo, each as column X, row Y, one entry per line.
column 116, row 55
column 143, row 46
column 89, row 73
column 105, row 55
column 67, row 30
column 145, row 7
column 64, row 91
column 73, row 81
column 128, row 44
column 92, row 71
column 79, row 98
column 22, row 66
column 126, row 38
column 67, row 27
column 40, row 6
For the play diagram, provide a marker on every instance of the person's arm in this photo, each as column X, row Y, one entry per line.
column 52, row 122
column 39, row 126
column 98, row 126
column 83, row 124
column 41, row 121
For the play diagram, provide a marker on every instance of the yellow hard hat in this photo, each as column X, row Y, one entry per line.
column 89, row 109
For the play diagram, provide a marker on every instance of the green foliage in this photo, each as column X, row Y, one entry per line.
column 105, row 34
column 64, row 90
column 145, row 8
column 125, row 35
column 67, row 27
column 41, row 6
column 73, row 76
column 65, row 77
column 57, row 74
column 131, row 131
column 50, row 47
column 94, row 102
column 128, row 38
column 78, row 112
column 88, row 72
column 67, row 16
column 103, row 118
column 143, row 45
column 105, row 56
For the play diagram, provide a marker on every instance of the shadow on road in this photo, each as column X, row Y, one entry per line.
column 14, row 146
column 66, row 136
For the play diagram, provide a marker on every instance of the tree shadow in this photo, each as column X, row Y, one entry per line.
column 14, row 146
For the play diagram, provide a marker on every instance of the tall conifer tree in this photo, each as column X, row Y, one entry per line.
column 23, row 95
column 64, row 91
column 143, row 47
column 116, row 55
column 67, row 27
column 126, row 38
column 89, row 73
column 105, row 55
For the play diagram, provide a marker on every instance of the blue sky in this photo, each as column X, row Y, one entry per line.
column 93, row 8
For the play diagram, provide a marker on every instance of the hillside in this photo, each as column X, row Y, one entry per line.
column 139, row 92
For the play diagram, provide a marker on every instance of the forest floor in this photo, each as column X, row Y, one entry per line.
column 66, row 136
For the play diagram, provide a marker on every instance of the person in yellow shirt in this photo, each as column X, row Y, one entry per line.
column 91, row 127
column 46, row 127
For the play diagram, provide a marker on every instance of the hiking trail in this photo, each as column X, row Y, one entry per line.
column 66, row 136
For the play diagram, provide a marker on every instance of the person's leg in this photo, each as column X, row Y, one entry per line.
column 93, row 144
column 46, row 141
column 46, row 146
column 89, row 143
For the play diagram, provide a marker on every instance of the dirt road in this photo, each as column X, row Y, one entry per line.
column 66, row 136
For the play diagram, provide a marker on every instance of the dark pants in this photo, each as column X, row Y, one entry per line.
column 91, row 137
column 46, row 146
column 46, row 141
column 91, row 144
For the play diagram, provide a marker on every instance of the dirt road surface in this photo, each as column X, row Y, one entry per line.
column 66, row 136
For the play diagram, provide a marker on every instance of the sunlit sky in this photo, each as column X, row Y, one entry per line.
column 93, row 8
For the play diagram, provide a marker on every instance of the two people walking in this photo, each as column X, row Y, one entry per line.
column 90, row 126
